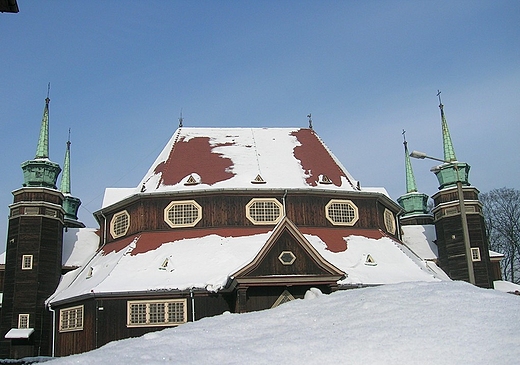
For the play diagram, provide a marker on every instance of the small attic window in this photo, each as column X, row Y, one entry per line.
column 191, row 181
column 264, row 211
column 369, row 261
column 389, row 221
column 341, row 212
column 325, row 180
column 183, row 213
column 119, row 224
column 258, row 180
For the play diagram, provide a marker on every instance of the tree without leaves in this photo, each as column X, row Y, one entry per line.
column 502, row 215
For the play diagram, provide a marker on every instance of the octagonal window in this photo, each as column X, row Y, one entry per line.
column 185, row 213
column 341, row 212
column 389, row 221
column 264, row 211
column 119, row 224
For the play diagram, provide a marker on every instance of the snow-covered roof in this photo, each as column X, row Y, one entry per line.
column 421, row 240
column 158, row 261
column 232, row 158
column 79, row 244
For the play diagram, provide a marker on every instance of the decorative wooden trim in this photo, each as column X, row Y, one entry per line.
column 286, row 225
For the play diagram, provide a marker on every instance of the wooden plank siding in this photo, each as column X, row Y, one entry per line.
column 452, row 252
column 224, row 210
column 105, row 319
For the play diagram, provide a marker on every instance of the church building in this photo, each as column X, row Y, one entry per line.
column 225, row 220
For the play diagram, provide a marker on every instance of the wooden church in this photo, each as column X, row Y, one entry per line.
column 225, row 220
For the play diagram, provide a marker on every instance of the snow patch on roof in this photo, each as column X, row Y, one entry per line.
column 421, row 240
column 207, row 262
column 79, row 244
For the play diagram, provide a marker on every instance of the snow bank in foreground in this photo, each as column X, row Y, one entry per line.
column 410, row 323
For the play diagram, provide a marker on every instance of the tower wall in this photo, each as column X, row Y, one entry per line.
column 450, row 236
column 35, row 229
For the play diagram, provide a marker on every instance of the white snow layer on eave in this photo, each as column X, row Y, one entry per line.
column 265, row 151
column 392, row 261
column 421, row 240
column 2, row 258
column 114, row 195
column 79, row 244
column 205, row 262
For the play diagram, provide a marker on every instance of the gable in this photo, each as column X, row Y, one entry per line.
column 288, row 254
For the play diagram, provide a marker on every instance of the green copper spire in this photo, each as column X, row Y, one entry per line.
column 449, row 151
column 452, row 171
column 411, row 186
column 42, row 151
column 41, row 172
column 70, row 204
column 65, row 177
column 413, row 203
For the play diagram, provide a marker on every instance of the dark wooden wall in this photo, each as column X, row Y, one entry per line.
column 224, row 210
column 105, row 320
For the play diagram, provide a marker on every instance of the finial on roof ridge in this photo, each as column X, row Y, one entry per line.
column 180, row 120
column 310, row 120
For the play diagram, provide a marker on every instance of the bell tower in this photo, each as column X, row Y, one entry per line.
column 33, row 254
column 458, row 218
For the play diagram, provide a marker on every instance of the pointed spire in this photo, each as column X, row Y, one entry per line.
column 411, row 186
column 41, row 171
column 70, row 203
column 414, row 204
column 65, row 176
column 449, row 151
column 42, row 151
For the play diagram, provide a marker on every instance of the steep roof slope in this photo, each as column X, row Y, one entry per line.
column 242, row 158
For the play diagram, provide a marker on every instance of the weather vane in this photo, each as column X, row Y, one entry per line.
column 180, row 120
column 310, row 121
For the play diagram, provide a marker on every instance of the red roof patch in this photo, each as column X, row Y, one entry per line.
column 315, row 159
column 209, row 165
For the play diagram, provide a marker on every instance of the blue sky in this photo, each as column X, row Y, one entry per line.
column 122, row 71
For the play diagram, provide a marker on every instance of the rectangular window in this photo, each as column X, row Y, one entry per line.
column 27, row 261
column 170, row 312
column 475, row 254
column 23, row 321
column 31, row 210
column 71, row 319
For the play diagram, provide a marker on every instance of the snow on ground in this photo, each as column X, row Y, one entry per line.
column 409, row 323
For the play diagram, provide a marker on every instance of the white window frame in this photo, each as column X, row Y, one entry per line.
column 23, row 321
column 146, row 319
column 254, row 218
column 188, row 220
column 389, row 219
column 71, row 319
column 333, row 220
column 475, row 254
column 27, row 262
column 115, row 231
